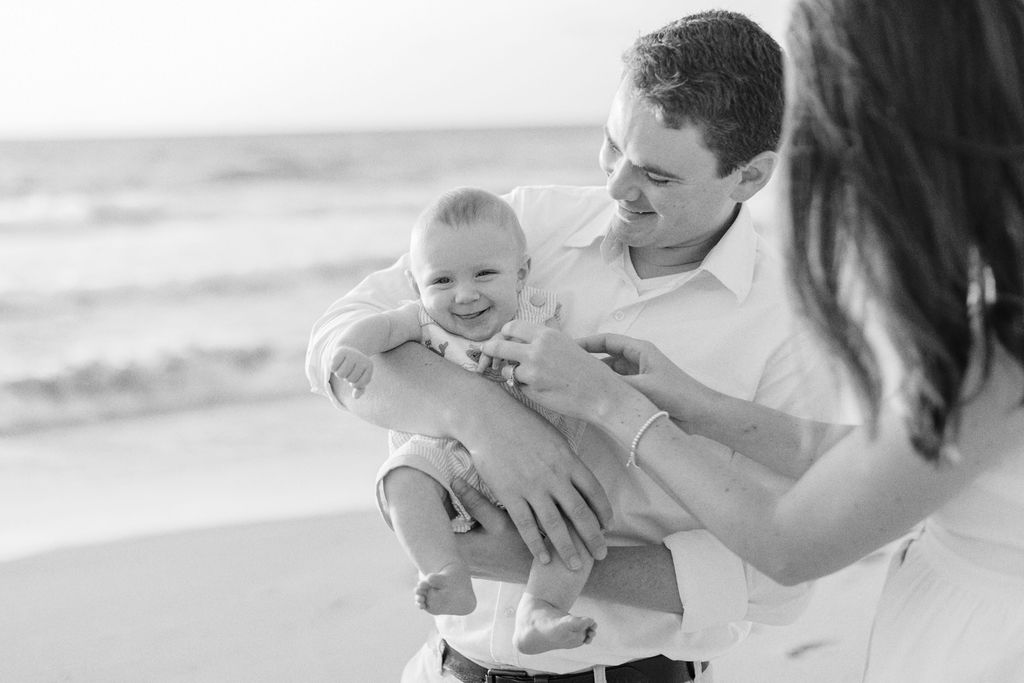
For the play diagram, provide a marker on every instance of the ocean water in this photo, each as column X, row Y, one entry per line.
column 139, row 276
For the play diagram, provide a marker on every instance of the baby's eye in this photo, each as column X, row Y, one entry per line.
column 486, row 273
column 441, row 281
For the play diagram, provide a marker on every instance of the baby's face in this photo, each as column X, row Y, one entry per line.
column 468, row 278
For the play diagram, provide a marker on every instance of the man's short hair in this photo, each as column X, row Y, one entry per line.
column 719, row 71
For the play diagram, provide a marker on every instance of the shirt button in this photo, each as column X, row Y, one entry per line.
column 510, row 611
column 618, row 315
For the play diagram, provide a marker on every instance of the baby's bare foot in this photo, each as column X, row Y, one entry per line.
column 448, row 591
column 540, row 626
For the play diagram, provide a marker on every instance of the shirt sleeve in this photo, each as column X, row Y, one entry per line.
column 803, row 380
column 716, row 586
column 380, row 291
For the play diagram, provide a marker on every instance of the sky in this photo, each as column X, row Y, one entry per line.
column 100, row 68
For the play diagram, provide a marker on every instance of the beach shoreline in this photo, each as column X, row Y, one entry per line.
column 325, row 598
column 241, row 543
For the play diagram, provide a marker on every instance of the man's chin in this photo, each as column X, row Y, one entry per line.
column 627, row 234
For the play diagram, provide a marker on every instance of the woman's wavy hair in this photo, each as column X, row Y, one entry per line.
column 905, row 161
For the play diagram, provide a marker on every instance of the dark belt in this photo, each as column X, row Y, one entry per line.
column 658, row 669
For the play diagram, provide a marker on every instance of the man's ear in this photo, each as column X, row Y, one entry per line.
column 754, row 175
column 523, row 272
column 412, row 281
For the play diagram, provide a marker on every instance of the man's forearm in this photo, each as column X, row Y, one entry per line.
column 641, row 576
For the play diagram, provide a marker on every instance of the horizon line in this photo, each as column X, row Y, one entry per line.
column 200, row 134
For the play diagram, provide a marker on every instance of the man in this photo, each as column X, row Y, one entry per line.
column 670, row 256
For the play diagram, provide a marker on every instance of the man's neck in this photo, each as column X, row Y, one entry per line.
column 660, row 261
column 649, row 263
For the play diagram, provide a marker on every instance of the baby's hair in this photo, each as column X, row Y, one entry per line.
column 466, row 207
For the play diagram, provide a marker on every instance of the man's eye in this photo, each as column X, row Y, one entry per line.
column 657, row 180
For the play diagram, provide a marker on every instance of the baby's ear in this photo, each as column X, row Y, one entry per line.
column 522, row 273
column 412, row 281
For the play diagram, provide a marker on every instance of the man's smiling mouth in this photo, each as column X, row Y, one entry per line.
column 624, row 211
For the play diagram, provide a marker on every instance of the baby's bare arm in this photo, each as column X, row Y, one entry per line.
column 369, row 336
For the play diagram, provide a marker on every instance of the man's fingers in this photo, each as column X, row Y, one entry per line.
column 577, row 510
column 550, row 519
column 478, row 507
column 593, row 493
column 522, row 517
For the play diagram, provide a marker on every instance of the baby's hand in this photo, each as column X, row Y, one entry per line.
column 352, row 366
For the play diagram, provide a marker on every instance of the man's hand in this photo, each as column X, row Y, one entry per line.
column 494, row 549
column 542, row 483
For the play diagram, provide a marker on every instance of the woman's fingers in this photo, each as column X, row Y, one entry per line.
column 522, row 330
column 614, row 345
column 506, row 349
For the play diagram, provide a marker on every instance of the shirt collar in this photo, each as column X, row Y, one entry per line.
column 731, row 261
column 733, row 258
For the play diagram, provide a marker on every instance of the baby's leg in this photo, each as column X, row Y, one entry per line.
column 543, row 621
column 418, row 512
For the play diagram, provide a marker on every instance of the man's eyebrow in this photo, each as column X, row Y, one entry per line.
column 646, row 168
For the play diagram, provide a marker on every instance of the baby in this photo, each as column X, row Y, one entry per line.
column 468, row 265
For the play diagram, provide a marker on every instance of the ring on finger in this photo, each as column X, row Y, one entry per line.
column 512, row 381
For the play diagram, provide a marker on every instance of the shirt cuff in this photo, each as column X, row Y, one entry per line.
column 711, row 578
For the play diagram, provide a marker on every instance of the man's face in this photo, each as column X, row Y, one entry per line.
column 665, row 180
column 468, row 278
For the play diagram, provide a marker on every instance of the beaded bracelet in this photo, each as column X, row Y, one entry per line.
column 639, row 433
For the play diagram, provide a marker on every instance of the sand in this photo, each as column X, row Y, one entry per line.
column 277, row 569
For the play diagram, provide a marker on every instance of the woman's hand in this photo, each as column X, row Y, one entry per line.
column 645, row 368
column 552, row 369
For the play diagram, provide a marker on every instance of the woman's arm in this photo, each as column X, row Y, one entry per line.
column 549, row 362
column 866, row 491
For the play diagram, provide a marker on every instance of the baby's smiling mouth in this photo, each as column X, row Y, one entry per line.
column 470, row 316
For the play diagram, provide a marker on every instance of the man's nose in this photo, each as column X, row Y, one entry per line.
column 622, row 182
